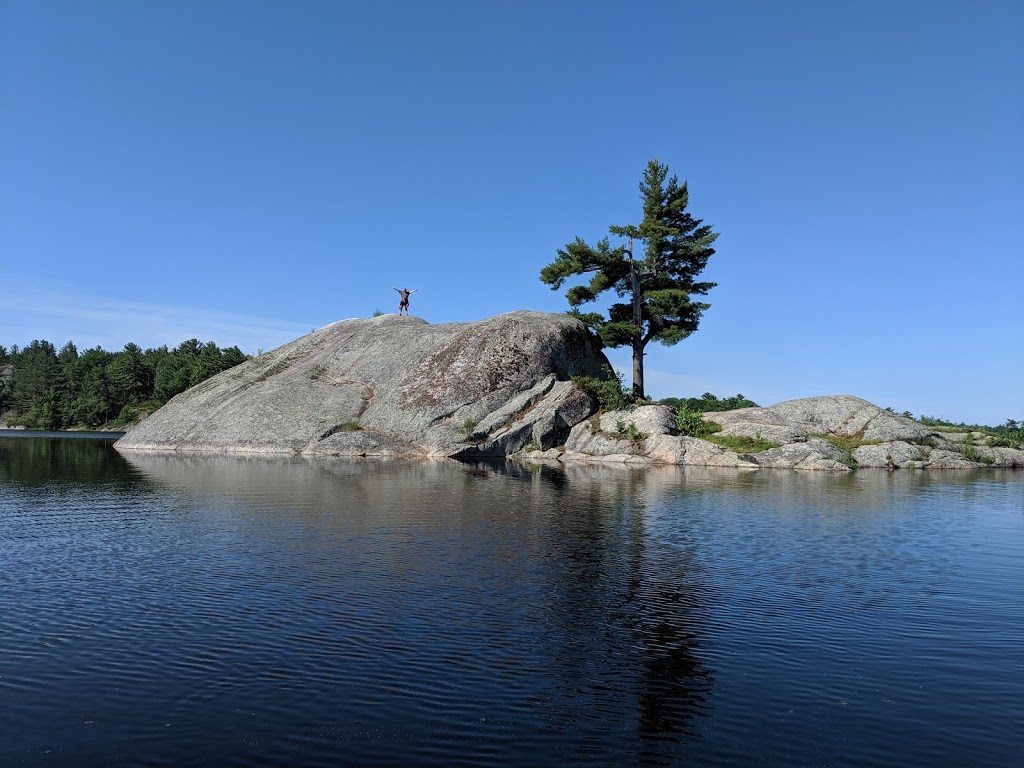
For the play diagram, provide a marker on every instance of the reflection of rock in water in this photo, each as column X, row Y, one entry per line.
column 611, row 615
column 574, row 598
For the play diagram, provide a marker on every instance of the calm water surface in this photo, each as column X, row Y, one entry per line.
column 177, row 611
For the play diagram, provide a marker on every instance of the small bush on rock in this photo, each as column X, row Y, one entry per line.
column 634, row 434
column 693, row 424
column 610, row 392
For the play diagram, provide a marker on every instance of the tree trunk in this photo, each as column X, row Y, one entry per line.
column 638, row 369
column 638, row 319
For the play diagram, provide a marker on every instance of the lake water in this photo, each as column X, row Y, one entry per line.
column 185, row 611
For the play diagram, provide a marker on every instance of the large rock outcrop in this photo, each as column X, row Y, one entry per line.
column 390, row 386
column 795, row 420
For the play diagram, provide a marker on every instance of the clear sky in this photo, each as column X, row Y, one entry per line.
column 243, row 171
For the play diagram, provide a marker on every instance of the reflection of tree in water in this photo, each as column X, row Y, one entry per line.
column 39, row 461
column 630, row 606
column 665, row 598
column 676, row 685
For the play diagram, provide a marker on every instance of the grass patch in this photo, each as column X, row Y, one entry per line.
column 742, row 443
column 347, row 426
column 845, row 443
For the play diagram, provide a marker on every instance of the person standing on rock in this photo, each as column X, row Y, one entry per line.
column 404, row 302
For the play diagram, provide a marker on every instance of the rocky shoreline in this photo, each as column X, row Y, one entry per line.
column 833, row 433
column 398, row 387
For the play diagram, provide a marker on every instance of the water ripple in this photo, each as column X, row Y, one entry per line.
column 197, row 612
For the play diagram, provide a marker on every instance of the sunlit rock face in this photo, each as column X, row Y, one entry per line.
column 391, row 386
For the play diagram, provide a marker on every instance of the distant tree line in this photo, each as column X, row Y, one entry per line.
column 42, row 388
column 1010, row 433
column 709, row 402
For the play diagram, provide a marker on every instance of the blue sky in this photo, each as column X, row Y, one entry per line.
column 245, row 171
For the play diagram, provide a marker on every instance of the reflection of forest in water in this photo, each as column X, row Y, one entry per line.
column 38, row 461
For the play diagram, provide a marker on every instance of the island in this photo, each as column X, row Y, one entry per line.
column 509, row 386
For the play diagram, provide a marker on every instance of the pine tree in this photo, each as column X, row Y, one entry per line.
column 660, row 286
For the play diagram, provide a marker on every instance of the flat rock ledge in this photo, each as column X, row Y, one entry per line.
column 836, row 433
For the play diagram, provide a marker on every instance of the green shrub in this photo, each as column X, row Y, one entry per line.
column 468, row 426
column 848, row 459
column 128, row 415
column 14, row 419
column 1006, row 441
column 634, row 434
column 692, row 423
column 970, row 452
column 609, row 392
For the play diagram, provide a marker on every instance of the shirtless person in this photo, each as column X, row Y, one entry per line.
column 404, row 302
